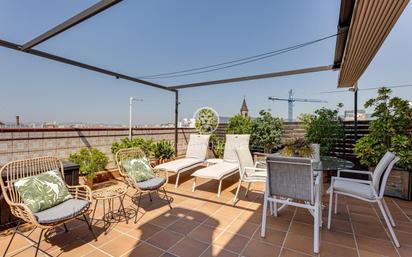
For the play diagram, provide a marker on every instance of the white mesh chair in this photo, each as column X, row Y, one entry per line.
column 195, row 156
column 367, row 190
column 228, row 166
column 249, row 172
column 291, row 178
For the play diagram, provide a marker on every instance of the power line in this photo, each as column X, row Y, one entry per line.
column 365, row 89
column 233, row 63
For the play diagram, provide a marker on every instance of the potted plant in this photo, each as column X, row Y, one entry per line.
column 145, row 144
column 389, row 131
column 163, row 151
column 91, row 161
column 266, row 131
column 239, row 124
column 324, row 127
column 298, row 147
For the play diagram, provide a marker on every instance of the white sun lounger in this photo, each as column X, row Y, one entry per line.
column 195, row 156
column 228, row 166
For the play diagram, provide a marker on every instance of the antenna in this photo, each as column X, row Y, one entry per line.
column 291, row 100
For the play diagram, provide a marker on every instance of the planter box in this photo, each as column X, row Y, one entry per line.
column 71, row 176
column 399, row 184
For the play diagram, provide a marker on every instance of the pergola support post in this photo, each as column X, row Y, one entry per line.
column 176, row 119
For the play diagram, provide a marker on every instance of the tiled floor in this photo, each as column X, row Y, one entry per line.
column 200, row 224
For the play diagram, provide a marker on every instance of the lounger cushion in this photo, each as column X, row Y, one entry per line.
column 179, row 164
column 151, row 184
column 354, row 188
column 64, row 211
column 217, row 171
column 197, row 146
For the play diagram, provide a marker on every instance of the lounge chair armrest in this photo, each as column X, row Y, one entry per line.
column 355, row 171
column 368, row 182
column 81, row 192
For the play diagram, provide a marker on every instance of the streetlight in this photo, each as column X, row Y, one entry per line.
column 131, row 99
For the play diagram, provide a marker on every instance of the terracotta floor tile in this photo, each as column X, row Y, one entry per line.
column 302, row 229
column 18, row 242
column 277, row 223
column 337, row 237
column 220, row 222
column 365, row 219
column 144, row 231
column 163, row 220
column 260, row 249
column 59, row 241
column 376, row 246
column 364, row 210
column 405, row 251
column 333, row 250
column 228, row 211
column 404, row 227
column 216, row 251
column 243, row 228
column 205, row 233
column 404, row 238
column 97, row 253
column 272, row 236
column 165, row 239
column 120, row 245
column 197, row 216
column 339, row 225
column 24, row 252
column 290, row 253
column 231, row 242
column 374, row 231
column 144, row 250
column 183, row 226
column 299, row 243
column 189, row 247
column 76, row 248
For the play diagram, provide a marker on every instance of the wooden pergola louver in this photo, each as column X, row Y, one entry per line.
column 372, row 20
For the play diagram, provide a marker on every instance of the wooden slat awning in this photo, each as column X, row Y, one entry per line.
column 372, row 20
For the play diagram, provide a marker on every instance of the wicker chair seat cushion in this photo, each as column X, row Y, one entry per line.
column 151, row 184
column 64, row 211
column 42, row 191
column 138, row 169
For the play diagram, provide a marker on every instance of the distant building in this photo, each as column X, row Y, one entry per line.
column 244, row 111
column 2, row 124
column 350, row 115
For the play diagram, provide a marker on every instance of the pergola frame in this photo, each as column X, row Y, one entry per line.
column 345, row 20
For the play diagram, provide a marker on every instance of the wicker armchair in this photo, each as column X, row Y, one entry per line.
column 148, row 186
column 15, row 170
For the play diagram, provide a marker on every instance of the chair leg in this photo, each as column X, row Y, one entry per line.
column 150, row 197
column 38, row 242
column 247, row 189
column 237, row 192
column 265, row 209
column 177, row 179
column 94, row 211
column 336, row 203
column 330, row 208
column 316, row 229
column 194, row 184
column 12, row 237
column 138, row 206
column 65, row 228
column 388, row 224
column 167, row 198
column 274, row 207
column 124, row 211
column 219, row 189
column 89, row 224
column 388, row 212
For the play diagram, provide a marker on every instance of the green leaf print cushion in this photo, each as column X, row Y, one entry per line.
column 138, row 169
column 42, row 191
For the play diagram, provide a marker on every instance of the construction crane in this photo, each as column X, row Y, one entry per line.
column 291, row 100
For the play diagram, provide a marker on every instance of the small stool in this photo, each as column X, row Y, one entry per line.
column 109, row 194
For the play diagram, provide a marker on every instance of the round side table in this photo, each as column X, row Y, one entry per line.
column 109, row 194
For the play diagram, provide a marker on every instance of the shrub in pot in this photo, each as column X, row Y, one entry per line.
column 298, row 147
column 163, row 150
column 388, row 131
column 239, row 124
column 324, row 127
column 266, row 131
column 145, row 144
column 91, row 161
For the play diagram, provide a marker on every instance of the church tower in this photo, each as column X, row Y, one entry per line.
column 244, row 111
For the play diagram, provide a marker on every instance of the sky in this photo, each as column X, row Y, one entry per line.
column 141, row 38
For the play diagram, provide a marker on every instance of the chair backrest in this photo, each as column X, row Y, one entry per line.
column 15, row 170
column 382, row 187
column 127, row 154
column 197, row 146
column 290, row 177
column 381, row 168
column 234, row 142
column 245, row 159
